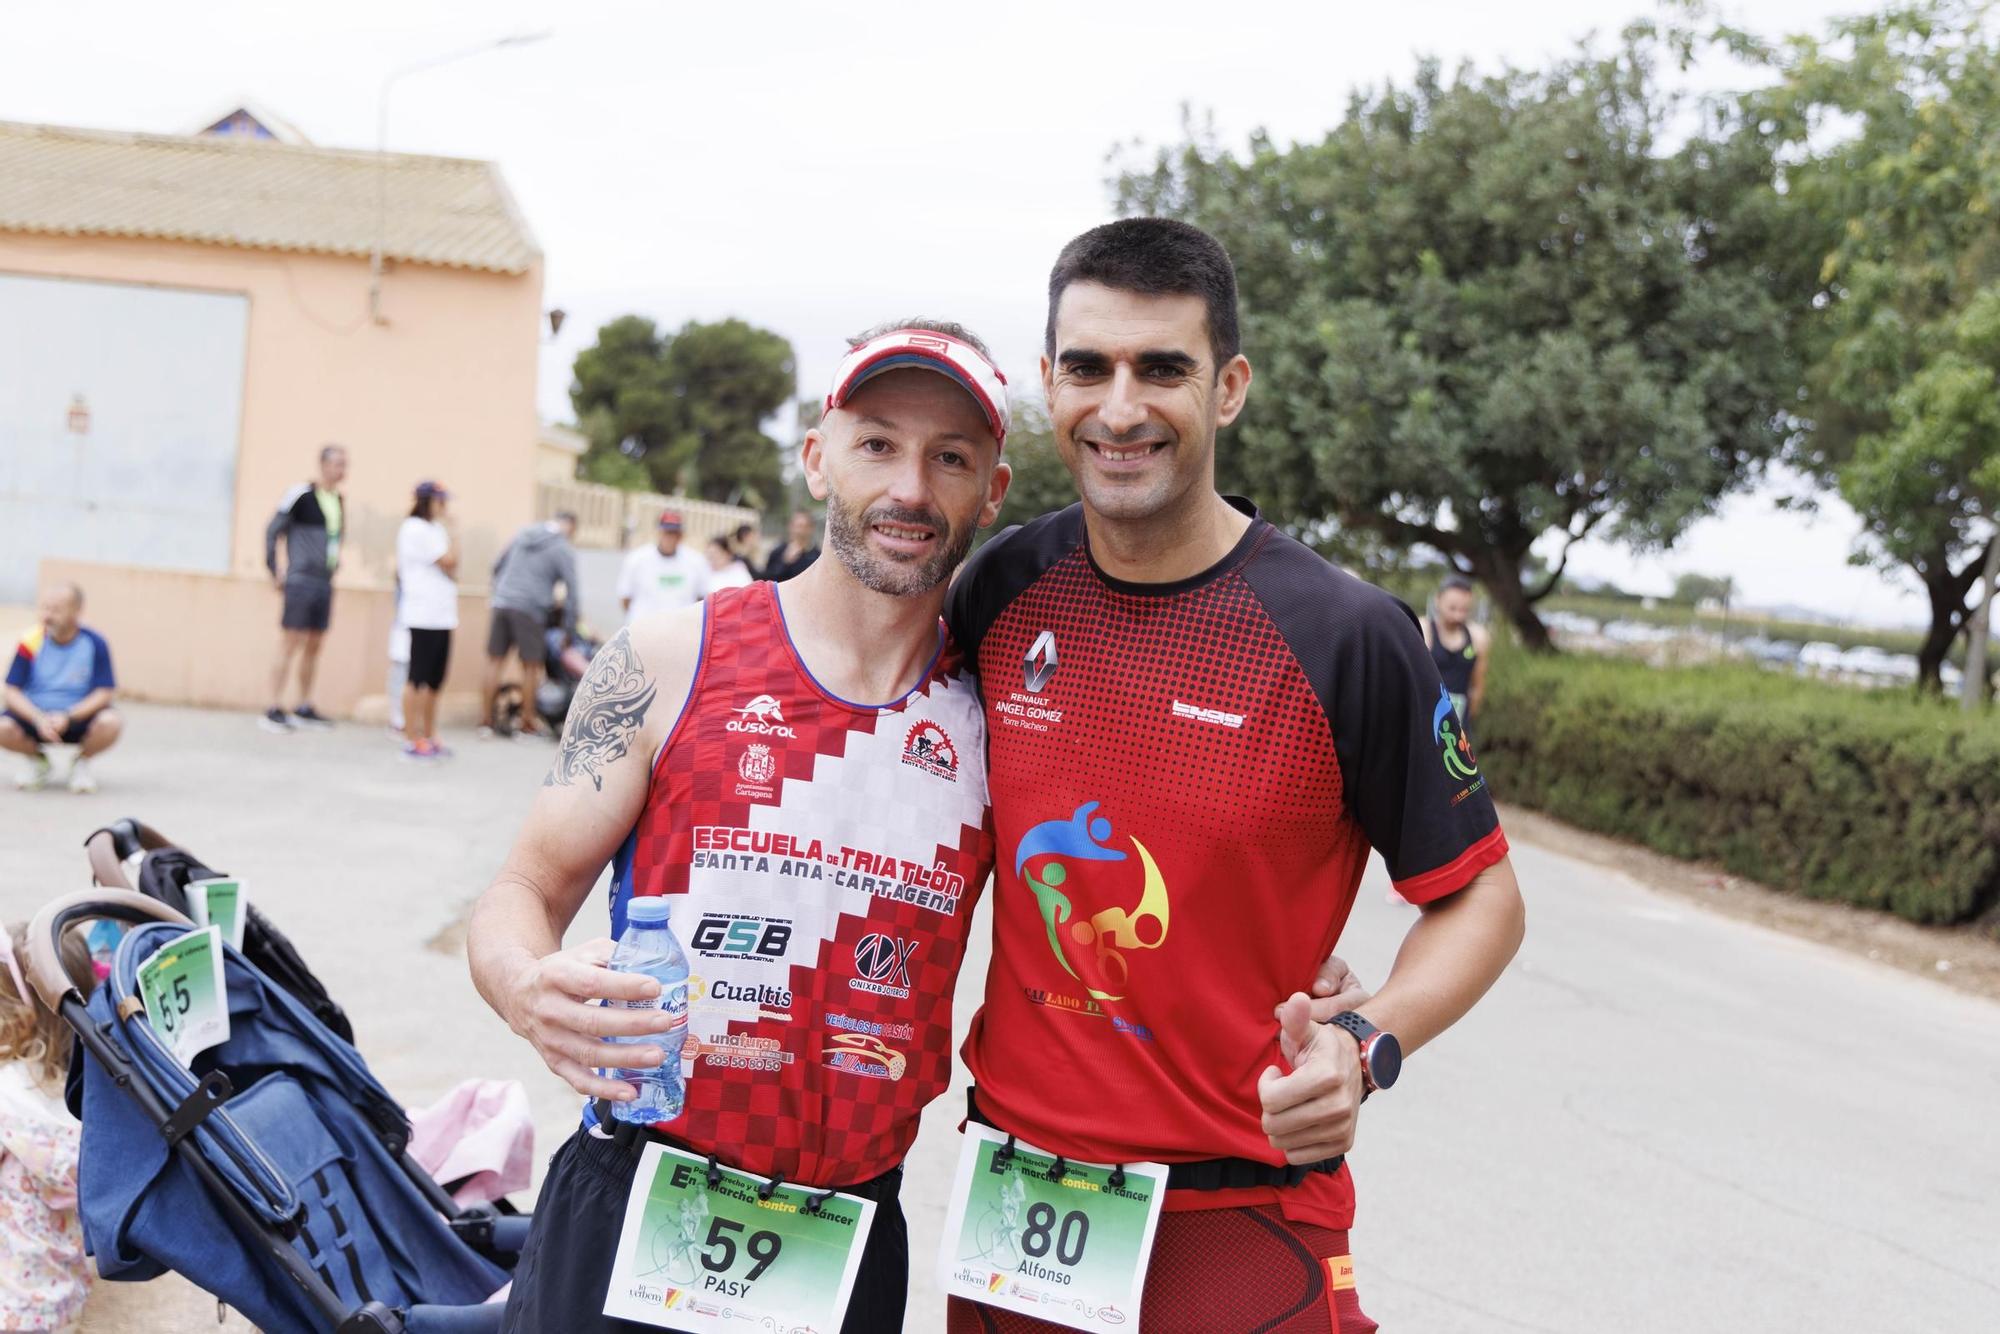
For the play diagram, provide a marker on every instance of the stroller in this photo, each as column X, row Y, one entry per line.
column 275, row 1172
column 567, row 660
column 127, row 854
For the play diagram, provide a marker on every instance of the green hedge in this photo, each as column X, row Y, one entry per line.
column 1871, row 798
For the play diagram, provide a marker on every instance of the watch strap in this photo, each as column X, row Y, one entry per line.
column 1363, row 1033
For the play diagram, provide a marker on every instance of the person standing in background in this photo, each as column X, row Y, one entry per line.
column 747, row 546
column 798, row 552
column 661, row 577
column 524, row 593
column 1459, row 648
column 427, row 571
column 726, row 569
column 312, row 518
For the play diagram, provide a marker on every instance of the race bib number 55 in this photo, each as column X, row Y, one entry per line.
column 1062, row 1241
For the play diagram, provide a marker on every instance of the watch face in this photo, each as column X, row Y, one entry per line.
column 1385, row 1059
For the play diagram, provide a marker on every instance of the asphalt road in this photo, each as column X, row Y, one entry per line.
column 1660, row 1120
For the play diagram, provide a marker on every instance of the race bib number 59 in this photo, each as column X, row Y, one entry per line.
column 699, row 1257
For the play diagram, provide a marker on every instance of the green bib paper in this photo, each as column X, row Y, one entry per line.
column 1072, row 1250
column 696, row 1258
column 220, row 903
column 181, row 986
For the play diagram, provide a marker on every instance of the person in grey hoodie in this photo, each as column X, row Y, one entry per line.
column 312, row 520
column 524, row 593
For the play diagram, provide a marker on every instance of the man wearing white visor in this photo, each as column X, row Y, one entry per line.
column 820, row 858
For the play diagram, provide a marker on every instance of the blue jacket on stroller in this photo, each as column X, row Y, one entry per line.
column 291, row 1200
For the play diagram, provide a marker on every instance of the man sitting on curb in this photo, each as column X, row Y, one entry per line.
column 59, row 691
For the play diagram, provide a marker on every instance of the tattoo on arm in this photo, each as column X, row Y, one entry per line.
column 608, row 711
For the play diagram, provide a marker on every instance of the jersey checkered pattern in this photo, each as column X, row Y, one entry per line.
column 823, row 859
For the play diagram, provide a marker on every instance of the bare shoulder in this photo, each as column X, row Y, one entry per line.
column 1480, row 639
column 630, row 697
column 669, row 642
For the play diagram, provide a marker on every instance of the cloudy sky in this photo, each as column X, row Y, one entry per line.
column 814, row 171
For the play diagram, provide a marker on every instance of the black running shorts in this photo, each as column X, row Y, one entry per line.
column 308, row 605
column 430, row 650
column 565, row 1268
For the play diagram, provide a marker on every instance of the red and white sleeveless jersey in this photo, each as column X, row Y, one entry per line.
column 823, row 859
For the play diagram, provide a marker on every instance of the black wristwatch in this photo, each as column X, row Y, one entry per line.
column 1381, row 1054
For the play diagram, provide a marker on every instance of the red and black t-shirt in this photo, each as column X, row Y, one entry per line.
column 1186, row 780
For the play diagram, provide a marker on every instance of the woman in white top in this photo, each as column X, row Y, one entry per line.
column 427, row 566
column 728, row 568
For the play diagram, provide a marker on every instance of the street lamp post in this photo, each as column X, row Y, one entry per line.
column 382, row 150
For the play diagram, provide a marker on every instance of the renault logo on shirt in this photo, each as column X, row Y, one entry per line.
column 1038, row 668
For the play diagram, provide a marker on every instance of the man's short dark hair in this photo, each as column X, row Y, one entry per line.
column 1455, row 582
column 328, row 451
column 1153, row 257
column 566, row 516
column 948, row 328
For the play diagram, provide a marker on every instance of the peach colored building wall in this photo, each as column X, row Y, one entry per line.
column 205, row 639
column 445, row 389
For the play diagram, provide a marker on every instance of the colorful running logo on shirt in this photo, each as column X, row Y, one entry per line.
column 1091, row 950
column 1449, row 733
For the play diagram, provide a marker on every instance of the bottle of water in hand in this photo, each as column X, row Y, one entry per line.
column 648, row 946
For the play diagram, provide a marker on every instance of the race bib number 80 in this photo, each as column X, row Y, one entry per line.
column 1062, row 1241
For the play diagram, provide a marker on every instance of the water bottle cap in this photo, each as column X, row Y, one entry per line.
column 650, row 910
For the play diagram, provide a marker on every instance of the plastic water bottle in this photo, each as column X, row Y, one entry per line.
column 648, row 946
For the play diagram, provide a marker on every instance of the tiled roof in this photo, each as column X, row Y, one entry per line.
column 234, row 191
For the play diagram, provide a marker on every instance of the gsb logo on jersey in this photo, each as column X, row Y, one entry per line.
column 759, row 938
column 884, row 965
column 762, row 716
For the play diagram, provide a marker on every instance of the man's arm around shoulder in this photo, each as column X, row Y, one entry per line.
column 595, row 792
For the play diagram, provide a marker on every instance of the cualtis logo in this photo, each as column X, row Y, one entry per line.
column 1449, row 733
column 1091, row 949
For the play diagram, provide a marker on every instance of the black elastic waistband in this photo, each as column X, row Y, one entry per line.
column 1208, row 1173
column 883, row 1189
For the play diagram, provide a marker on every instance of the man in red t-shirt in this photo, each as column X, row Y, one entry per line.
column 1197, row 729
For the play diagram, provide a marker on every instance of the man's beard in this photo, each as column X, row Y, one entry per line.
column 848, row 535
